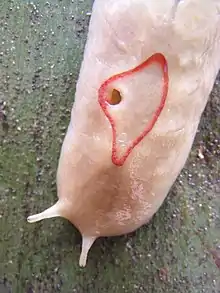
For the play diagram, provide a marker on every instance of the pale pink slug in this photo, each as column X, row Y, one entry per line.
column 148, row 69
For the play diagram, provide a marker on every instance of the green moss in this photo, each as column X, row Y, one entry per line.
column 42, row 46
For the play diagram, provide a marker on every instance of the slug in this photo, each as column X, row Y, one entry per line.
column 145, row 79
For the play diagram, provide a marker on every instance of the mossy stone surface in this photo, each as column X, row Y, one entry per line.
column 41, row 49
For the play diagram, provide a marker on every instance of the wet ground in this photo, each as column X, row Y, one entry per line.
column 41, row 48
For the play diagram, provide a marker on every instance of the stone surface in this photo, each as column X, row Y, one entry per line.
column 41, row 47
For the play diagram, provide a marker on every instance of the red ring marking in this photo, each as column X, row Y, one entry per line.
column 102, row 99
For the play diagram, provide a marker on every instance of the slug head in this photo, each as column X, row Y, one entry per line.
column 107, row 175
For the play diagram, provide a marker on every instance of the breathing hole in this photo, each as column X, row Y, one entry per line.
column 115, row 97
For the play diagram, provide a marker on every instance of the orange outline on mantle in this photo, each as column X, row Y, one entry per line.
column 156, row 58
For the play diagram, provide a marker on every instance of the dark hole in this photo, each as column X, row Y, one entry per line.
column 115, row 97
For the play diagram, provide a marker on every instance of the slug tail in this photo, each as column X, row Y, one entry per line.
column 54, row 211
column 87, row 242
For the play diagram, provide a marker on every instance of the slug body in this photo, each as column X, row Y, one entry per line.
column 148, row 69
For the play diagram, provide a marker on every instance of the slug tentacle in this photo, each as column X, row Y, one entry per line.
column 87, row 242
column 52, row 212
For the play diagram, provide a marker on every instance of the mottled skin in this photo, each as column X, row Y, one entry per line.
column 102, row 199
